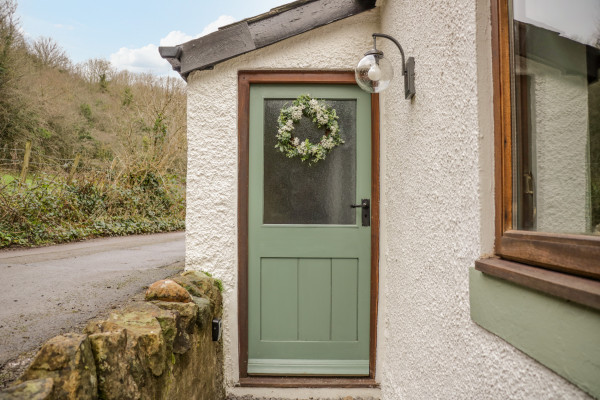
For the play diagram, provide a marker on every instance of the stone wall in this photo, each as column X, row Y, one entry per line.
column 159, row 349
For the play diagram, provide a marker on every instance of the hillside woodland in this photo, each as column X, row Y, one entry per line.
column 108, row 148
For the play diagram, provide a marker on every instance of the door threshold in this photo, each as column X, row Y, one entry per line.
column 339, row 393
column 307, row 382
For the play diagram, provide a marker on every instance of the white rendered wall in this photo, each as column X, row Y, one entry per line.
column 438, row 215
column 437, row 197
column 211, row 240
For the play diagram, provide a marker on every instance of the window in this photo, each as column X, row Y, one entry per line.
column 546, row 119
column 556, row 116
column 546, row 59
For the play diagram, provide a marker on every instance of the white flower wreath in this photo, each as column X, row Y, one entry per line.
column 321, row 114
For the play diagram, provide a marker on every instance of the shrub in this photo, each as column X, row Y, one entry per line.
column 48, row 210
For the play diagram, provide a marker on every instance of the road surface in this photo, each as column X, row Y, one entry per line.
column 51, row 290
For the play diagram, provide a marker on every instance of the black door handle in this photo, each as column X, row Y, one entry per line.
column 365, row 204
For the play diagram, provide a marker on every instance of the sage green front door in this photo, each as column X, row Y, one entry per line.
column 309, row 253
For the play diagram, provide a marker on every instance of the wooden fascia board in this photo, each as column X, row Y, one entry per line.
column 251, row 34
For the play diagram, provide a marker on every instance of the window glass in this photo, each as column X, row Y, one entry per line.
column 321, row 193
column 556, row 115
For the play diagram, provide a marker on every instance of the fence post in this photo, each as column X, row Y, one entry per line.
column 73, row 168
column 25, row 162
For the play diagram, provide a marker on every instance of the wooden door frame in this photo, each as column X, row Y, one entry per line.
column 245, row 79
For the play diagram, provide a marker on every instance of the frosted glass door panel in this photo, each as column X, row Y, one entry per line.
column 298, row 193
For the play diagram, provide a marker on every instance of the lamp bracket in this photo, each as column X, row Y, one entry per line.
column 408, row 66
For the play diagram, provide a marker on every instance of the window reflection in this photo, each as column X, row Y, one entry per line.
column 556, row 115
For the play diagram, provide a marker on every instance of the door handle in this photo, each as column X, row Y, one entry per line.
column 365, row 204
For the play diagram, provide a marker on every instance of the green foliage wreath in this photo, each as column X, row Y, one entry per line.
column 322, row 115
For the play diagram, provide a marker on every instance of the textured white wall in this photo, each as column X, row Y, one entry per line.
column 211, row 225
column 437, row 199
column 437, row 215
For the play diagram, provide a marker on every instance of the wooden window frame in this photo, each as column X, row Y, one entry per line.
column 570, row 264
column 245, row 79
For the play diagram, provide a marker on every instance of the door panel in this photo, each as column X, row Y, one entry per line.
column 344, row 299
column 314, row 299
column 279, row 299
column 309, row 255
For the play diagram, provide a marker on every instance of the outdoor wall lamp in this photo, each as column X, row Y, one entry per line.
column 374, row 73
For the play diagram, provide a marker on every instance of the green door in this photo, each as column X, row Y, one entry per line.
column 309, row 253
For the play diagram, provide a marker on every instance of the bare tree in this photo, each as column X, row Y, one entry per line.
column 153, row 132
column 11, row 41
column 48, row 52
column 95, row 70
column 15, row 121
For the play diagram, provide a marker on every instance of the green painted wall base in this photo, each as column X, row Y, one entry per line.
column 561, row 335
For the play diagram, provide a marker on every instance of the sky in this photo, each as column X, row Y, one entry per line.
column 128, row 32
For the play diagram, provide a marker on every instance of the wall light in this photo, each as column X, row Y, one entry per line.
column 374, row 73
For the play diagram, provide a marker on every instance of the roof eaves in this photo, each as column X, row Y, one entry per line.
column 271, row 12
column 262, row 30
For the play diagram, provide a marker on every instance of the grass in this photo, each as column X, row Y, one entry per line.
column 6, row 179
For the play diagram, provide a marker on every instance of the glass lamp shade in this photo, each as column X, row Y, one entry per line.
column 373, row 73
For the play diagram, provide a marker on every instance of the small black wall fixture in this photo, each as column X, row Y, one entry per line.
column 374, row 73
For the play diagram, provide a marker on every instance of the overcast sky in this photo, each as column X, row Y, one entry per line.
column 128, row 32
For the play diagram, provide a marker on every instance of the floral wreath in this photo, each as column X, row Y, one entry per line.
column 321, row 114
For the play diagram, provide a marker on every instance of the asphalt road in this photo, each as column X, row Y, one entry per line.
column 51, row 290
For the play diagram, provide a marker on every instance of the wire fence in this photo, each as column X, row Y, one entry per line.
column 47, row 199
column 29, row 165
column 30, row 168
